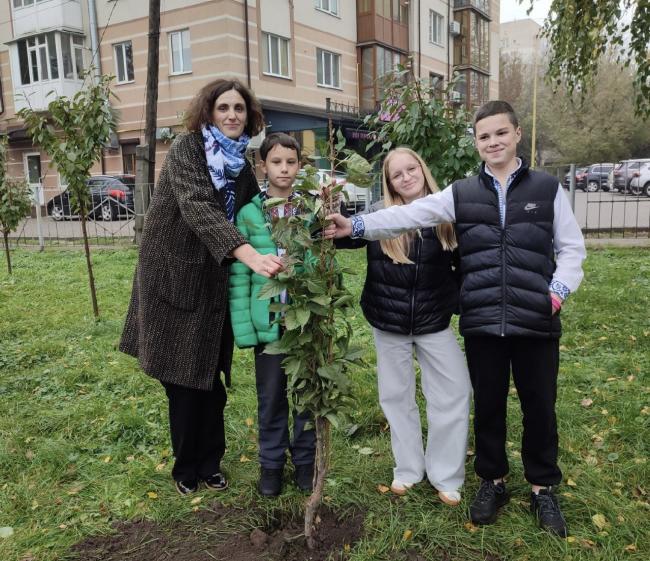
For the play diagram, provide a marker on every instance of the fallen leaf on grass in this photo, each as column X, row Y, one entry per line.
column 366, row 451
column 470, row 527
column 408, row 534
column 196, row 501
column 599, row 521
column 6, row 532
column 243, row 459
column 249, row 422
column 107, row 459
column 586, row 402
column 630, row 548
column 383, row 489
column 346, row 547
column 587, row 543
column 161, row 466
column 591, row 461
column 631, row 378
column 63, row 526
column 571, row 483
column 571, row 539
column 152, row 494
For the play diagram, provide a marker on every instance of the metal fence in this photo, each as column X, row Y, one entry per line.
column 111, row 221
column 609, row 201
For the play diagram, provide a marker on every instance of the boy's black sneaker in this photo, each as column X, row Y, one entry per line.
column 216, row 481
column 304, row 477
column 547, row 511
column 270, row 483
column 489, row 498
column 187, row 487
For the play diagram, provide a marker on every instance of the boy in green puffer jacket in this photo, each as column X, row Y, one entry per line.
column 254, row 325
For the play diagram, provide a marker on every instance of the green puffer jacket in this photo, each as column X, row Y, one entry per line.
column 252, row 322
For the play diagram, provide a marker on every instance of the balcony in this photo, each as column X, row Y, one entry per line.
column 35, row 16
column 482, row 6
column 46, row 66
column 38, row 96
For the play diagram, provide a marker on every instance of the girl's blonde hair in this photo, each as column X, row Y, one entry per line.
column 398, row 248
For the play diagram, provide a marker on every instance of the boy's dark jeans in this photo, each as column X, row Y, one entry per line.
column 273, row 416
column 535, row 364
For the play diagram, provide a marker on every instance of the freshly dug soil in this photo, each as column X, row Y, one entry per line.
column 223, row 533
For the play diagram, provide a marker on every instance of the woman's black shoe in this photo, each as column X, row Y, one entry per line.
column 216, row 481
column 270, row 483
column 187, row 487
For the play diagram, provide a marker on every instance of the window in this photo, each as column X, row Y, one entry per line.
column 437, row 83
column 436, row 28
column 124, row 62
column 329, row 6
column 275, row 55
column 128, row 157
column 37, row 59
column 328, row 69
column 181, row 54
column 72, row 50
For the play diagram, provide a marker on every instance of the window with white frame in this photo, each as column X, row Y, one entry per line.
column 37, row 59
column 275, row 55
column 124, row 62
column 181, row 53
column 328, row 69
column 73, row 56
column 329, row 6
column 25, row 3
column 436, row 28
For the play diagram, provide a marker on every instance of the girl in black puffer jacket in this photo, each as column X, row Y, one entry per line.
column 410, row 294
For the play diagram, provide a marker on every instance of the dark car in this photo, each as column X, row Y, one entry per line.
column 111, row 197
column 596, row 178
column 581, row 176
column 623, row 173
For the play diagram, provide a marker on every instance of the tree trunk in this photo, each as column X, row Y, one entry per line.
column 6, row 237
column 320, row 471
column 89, row 265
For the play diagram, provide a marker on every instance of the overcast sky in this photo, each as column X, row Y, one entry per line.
column 512, row 10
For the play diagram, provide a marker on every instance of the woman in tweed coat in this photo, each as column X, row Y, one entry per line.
column 177, row 325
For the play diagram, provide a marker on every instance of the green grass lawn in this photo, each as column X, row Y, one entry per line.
column 84, row 441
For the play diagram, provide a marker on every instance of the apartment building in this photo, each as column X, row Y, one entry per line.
column 523, row 39
column 305, row 60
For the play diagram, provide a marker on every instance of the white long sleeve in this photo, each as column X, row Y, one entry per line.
column 395, row 220
column 569, row 247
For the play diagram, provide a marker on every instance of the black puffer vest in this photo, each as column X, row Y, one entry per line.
column 411, row 299
column 507, row 270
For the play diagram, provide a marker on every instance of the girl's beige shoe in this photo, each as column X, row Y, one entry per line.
column 451, row 498
column 399, row 487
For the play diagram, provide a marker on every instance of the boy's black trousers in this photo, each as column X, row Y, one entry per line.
column 196, row 424
column 534, row 363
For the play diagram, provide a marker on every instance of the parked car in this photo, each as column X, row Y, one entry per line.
column 357, row 198
column 111, row 196
column 621, row 175
column 640, row 183
column 581, row 176
column 596, row 178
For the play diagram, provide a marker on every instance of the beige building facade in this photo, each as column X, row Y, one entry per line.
column 300, row 57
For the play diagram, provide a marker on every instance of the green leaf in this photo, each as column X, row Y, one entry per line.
column 270, row 289
column 302, row 316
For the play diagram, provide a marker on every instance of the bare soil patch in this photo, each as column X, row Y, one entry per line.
column 224, row 533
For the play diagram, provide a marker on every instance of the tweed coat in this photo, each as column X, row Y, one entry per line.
column 179, row 304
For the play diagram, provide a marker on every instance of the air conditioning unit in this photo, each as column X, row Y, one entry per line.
column 454, row 28
column 455, row 96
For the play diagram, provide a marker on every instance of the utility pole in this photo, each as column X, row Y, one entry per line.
column 152, row 85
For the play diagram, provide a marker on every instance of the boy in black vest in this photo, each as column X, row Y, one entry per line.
column 521, row 254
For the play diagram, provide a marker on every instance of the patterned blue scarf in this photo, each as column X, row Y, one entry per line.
column 225, row 161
